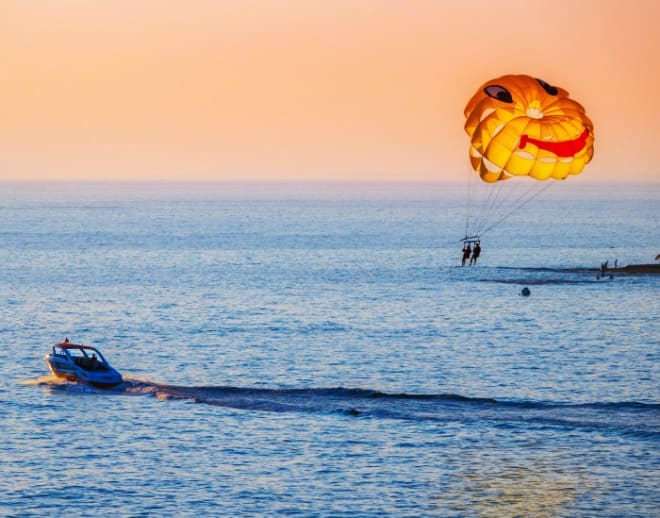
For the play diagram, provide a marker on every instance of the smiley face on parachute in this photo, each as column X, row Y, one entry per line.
column 522, row 126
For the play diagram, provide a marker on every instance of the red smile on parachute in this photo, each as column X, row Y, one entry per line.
column 566, row 148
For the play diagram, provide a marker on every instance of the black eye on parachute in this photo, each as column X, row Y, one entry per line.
column 548, row 88
column 499, row 92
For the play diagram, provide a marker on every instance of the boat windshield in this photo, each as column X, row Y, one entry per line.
column 84, row 356
column 76, row 353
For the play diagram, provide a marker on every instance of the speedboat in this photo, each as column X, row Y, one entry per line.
column 77, row 362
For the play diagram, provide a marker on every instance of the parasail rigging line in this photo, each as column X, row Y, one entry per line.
column 521, row 204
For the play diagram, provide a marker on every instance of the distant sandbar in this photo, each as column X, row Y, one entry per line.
column 629, row 269
column 634, row 269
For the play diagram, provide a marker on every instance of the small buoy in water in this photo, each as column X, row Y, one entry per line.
column 525, row 292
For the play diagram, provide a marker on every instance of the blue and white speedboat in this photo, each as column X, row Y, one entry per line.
column 77, row 362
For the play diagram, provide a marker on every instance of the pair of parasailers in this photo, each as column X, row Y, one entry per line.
column 470, row 254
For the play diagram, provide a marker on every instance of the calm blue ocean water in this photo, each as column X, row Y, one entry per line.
column 317, row 350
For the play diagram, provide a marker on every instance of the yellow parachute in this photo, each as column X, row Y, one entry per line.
column 522, row 126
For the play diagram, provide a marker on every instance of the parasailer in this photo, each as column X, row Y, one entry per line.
column 525, row 129
column 476, row 252
column 467, row 250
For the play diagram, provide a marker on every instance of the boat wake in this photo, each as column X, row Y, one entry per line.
column 628, row 417
column 48, row 381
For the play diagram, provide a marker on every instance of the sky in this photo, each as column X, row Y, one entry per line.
column 311, row 90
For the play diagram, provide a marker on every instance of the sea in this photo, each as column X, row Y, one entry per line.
column 317, row 349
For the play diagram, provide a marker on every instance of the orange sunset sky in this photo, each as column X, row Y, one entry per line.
column 308, row 89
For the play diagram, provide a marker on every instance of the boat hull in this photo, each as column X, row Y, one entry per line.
column 103, row 379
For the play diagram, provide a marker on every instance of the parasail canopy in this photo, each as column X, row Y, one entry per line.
column 522, row 126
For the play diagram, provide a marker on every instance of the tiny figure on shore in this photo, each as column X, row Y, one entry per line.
column 467, row 250
column 603, row 267
column 475, row 253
